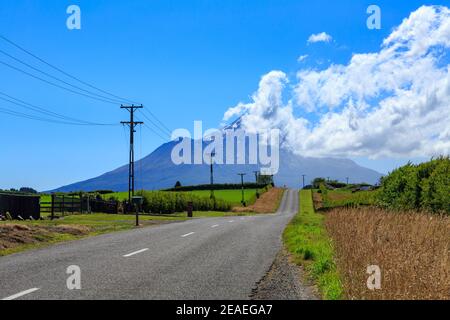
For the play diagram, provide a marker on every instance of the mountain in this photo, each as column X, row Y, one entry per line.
column 157, row 171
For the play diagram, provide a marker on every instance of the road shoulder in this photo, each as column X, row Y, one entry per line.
column 284, row 281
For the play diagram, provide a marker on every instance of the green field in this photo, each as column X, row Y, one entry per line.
column 232, row 196
column 345, row 197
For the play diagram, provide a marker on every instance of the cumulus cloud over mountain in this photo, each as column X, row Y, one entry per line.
column 391, row 103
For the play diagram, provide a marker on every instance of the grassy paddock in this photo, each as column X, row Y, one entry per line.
column 232, row 196
column 308, row 242
column 328, row 199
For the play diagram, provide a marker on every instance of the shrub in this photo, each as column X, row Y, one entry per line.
column 325, row 199
column 425, row 186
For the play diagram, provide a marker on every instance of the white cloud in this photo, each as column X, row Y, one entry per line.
column 302, row 58
column 394, row 102
column 320, row 37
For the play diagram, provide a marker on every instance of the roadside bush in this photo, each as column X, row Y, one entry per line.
column 425, row 186
column 325, row 199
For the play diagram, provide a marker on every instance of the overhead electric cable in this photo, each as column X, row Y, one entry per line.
column 42, row 110
column 62, row 71
column 60, row 80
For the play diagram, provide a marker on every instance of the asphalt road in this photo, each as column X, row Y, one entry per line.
column 216, row 258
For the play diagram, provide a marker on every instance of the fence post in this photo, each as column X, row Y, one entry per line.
column 81, row 202
column 53, row 206
column 63, row 204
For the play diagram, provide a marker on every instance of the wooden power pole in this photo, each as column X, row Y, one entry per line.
column 242, row 184
column 132, row 125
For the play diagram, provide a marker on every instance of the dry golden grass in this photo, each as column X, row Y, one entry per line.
column 412, row 250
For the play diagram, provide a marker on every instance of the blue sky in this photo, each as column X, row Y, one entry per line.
column 184, row 60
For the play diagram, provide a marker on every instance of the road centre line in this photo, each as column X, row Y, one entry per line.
column 134, row 253
column 215, row 226
column 187, row 234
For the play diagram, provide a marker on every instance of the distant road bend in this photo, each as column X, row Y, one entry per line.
column 215, row 258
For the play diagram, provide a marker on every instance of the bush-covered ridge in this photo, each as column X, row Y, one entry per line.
column 425, row 186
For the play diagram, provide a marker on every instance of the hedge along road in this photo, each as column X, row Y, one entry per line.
column 215, row 258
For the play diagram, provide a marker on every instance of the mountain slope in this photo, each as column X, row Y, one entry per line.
column 156, row 171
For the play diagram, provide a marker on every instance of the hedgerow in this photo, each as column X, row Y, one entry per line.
column 170, row 202
column 425, row 186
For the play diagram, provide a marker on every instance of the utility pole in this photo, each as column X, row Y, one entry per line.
column 256, row 176
column 347, row 180
column 303, row 176
column 242, row 183
column 212, row 155
column 132, row 125
column 256, row 180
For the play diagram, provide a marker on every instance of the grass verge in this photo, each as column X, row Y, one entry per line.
column 308, row 242
column 19, row 236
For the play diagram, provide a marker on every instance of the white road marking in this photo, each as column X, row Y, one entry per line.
column 231, row 221
column 187, row 235
column 134, row 253
column 21, row 294
column 215, row 226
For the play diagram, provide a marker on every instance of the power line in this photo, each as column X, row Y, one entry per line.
column 45, row 111
column 163, row 131
column 160, row 122
column 155, row 132
column 37, row 118
column 54, row 84
column 58, row 79
column 62, row 71
column 89, row 94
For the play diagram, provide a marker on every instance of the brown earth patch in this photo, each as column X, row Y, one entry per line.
column 13, row 235
column 267, row 203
